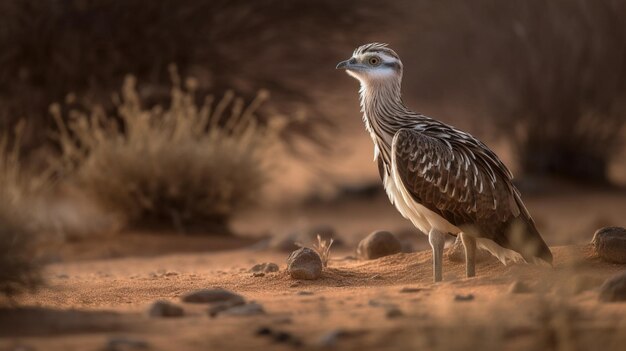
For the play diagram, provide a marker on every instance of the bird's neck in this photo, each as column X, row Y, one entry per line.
column 383, row 111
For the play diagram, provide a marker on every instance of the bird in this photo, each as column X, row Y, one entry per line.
column 443, row 180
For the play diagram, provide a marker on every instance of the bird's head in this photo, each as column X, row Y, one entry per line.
column 373, row 63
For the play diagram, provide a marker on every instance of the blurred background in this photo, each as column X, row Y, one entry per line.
column 221, row 117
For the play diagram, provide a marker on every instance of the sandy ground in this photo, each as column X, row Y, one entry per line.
column 99, row 289
column 87, row 304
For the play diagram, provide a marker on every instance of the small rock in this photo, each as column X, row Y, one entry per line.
column 456, row 253
column 614, row 289
column 162, row 308
column 282, row 336
column 305, row 293
column 468, row 297
column 264, row 268
column 263, row 331
column 394, row 312
column 518, row 287
column 258, row 274
column 213, row 296
column 407, row 290
column 610, row 244
column 125, row 344
column 378, row 244
column 249, row 309
column 304, row 263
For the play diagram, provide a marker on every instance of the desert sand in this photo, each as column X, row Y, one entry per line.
column 99, row 291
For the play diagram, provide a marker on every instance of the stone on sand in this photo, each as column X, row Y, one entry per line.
column 456, row 253
column 610, row 244
column 460, row 297
column 614, row 289
column 266, row 267
column 249, row 309
column 163, row 308
column 378, row 244
column 217, row 295
column 304, row 263
column 394, row 312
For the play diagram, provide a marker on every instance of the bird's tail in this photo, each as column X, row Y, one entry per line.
column 524, row 238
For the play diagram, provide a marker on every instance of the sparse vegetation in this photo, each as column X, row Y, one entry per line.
column 18, row 271
column 50, row 48
column 560, row 82
column 185, row 167
column 322, row 247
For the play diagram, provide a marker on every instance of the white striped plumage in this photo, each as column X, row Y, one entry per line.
column 440, row 178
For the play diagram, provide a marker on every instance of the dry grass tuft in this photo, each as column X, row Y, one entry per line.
column 185, row 167
column 322, row 247
column 18, row 271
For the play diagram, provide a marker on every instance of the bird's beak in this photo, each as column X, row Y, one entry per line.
column 343, row 64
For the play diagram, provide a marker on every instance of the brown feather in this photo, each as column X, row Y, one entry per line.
column 475, row 193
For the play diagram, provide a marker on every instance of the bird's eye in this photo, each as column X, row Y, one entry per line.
column 374, row 61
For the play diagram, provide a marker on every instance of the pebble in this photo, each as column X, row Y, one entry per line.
column 279, row 336
column 249, row 309
column 394, row 312
column 610, row 244
column 162, row 308
column 263, row 331
column 266, row 267
column 304, row 263
column 468, row 297
column 407, row 290
column 304, row 293
column 378, row 244
column 614, row 289
column 217, row 295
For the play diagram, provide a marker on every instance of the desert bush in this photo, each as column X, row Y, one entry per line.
column 18, row 270
column 50, row 48
column 560, row 88
column 188, row 167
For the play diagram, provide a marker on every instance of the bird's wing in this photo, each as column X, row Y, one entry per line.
column 456, row 176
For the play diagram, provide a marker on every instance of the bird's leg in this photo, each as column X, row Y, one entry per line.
column 437, row 240
column 469, row 242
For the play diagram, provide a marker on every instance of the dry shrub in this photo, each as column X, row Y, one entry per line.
column 550, row 74
column 560, row 93
column 186, row 167
column 18, row 270
column 50, row 48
